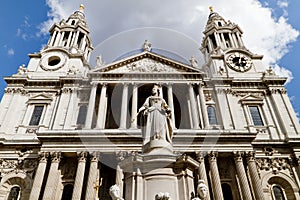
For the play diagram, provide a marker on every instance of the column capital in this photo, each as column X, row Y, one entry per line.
column 250, row 155
column 94, row 84
column 43, row 156
column 238, row 156
column 201, row 156
column 213, row 156
column 55, row 156
column 81, row 156
column 125, row 84
column 121, row 155
column 94, row 156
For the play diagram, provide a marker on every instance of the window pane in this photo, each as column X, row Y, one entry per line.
column 278, row 193
column 67, row 192
column 36, row 115
column 256, row 118
column 81, row 115
column 211, row 115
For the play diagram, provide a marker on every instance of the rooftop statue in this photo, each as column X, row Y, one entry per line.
column 114, row 192
column 202, row 191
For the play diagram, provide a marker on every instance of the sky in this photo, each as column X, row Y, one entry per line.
column 271, row 28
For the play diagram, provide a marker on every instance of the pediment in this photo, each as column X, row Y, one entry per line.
column 40, row 98
column 251, row 99
column 146, row 62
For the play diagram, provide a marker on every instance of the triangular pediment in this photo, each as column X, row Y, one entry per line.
column 40, row 98
column 146, row 62
column 248, row 99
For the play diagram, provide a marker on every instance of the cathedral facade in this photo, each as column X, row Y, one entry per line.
column 147, row 126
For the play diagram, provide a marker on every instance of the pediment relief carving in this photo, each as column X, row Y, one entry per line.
column 40, row 98
column 146, row 65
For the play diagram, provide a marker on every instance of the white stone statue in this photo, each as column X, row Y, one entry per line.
column 22, row 70
column 114, row 192
column 202, row 191
column 194, row 62
column 99, row 61
column 156, row 118
column 163, row 196
column 147, row 46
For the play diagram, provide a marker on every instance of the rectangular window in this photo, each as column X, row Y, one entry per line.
column 212, row 118
column 36, row 115
column 255, row 115
column 82, row 115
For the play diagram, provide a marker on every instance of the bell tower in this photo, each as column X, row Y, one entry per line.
column 68, row 49
column 224, row 49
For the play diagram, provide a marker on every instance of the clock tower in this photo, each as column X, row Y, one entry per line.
column 67, row 51
column 224, row 50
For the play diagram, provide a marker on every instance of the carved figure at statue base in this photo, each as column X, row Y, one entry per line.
column 114, row 192
column 163, row 196
column 156, row 118
column 202, row 191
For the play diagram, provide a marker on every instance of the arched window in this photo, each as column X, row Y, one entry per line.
column 212, row 118
column 14, row 193
column 67, row 193
column 278, row 193
column 227, row 193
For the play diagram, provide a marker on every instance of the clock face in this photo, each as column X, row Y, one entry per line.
column 53, row 61
column 239, row 62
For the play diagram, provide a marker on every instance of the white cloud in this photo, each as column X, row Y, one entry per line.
column 283, row 72
column 263, row 34
column 10, row 52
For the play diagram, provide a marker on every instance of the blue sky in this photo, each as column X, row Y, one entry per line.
column 24, row 24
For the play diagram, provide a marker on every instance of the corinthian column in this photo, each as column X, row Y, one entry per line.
column 50, row 189
column 171, row 103
column 101, row 108
column 124, row 106
column 256, row 182
column 93, row 181
column 39, row 176
column 195, row 119
column 79, row 176
column 202, row 170
column 91, row 107
column 242, row 176
column 134, row 106
column 215, row 177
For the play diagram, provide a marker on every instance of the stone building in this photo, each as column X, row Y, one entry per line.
column 69, row 130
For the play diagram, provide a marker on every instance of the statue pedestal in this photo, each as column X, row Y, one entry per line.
column 158, row 171
column 158, row 147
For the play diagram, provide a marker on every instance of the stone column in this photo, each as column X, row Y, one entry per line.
column 202, row 170
column 203, row 106
column 193, row 107
column 101, row 108
column 93, row 181
column 242, row 176
column 79, row 176
column 215, row 177
column 52, row 38
column 91, row 107
column 124, row 106
column 50, row 189
column 39, row 176
column 134, row 106
column 171, row 103
column 119, row 172
column 256, row 182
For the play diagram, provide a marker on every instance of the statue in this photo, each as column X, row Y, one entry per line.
column 147, row 46
column 22, row 70
column 156, row 118
column 163, row 196
column 114, row 192
column 194, row 62
column 202, row 191
column 99, row 61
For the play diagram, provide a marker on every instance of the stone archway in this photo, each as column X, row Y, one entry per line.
column 284, row 181
column 12, row 180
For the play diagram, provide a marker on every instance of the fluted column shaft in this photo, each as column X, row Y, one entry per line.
column 134, row 106
column 93, row 181
column 50, row 189
column 39, row 177
column 242, row 176
column 101, row 108
column 90, row 111
column 193, row 107
column 171, row 103
column 256, row 182
column 215, row 177
column 203, row 106
column 124, row 106
column 202, row 170
column 79, row 176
